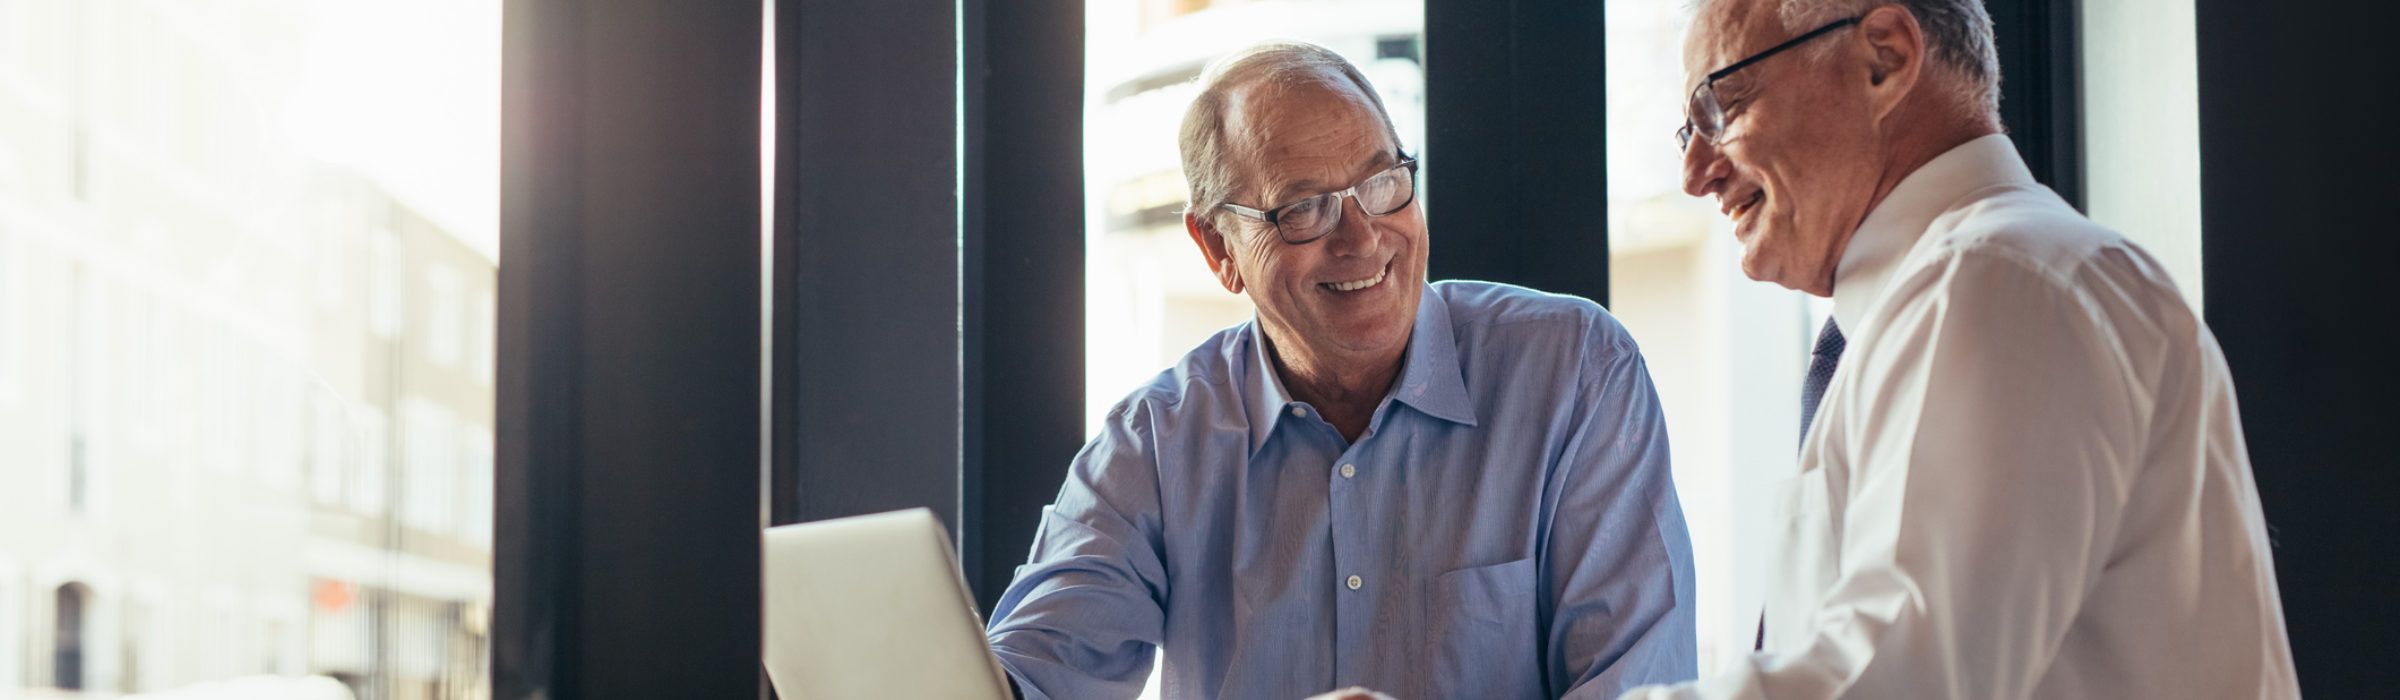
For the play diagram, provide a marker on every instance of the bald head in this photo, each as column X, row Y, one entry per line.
column 1963, row 65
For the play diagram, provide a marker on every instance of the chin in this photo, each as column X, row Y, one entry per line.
column 1754, row 268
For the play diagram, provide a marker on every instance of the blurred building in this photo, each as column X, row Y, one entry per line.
column 245, row 397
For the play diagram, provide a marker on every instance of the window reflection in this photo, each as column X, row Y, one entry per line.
column 1725, row 352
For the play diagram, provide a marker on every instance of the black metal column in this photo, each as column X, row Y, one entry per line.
column 1516, row 182
column 1023, row 237
column 626, row 562
column 2041, row 88
column 2297, row 253
column 867, row 215
column 929, row 265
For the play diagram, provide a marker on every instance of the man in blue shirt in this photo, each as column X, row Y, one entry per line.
column 1447, row 490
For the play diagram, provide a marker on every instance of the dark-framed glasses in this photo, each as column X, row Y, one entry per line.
column 1312, row 217
column 1704, row 114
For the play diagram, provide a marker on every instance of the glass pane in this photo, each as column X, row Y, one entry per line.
column 246, row 303
column 1149, row 295
column 1726, row 353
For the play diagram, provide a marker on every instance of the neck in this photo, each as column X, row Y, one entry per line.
column 1345, row 389
column 1910, row 149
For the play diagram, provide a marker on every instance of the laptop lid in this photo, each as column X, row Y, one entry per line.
column 873, row 606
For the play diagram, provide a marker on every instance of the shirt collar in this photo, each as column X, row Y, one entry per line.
column 1430, row 380
column 1898, row 225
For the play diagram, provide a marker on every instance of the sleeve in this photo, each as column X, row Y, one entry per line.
column 1992, row 437
column 1618, row 565
column 1086, row 613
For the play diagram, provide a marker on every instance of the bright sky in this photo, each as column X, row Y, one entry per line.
column 408, row 94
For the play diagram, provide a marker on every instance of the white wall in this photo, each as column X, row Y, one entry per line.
column 2141, row 105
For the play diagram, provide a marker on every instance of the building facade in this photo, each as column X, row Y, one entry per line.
column 245, row 396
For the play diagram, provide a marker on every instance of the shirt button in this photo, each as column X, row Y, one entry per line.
column 1355, row 582
column 1349, row 470
column 1300, row 412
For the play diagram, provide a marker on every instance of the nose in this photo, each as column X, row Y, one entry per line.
column 1704, row 168
column 1353, row 231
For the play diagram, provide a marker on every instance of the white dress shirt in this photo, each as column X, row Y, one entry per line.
column 2027, row 478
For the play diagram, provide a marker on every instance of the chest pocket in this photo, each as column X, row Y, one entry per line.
column 1482, row 637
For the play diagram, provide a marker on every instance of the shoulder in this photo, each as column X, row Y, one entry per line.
column 1206, row 379
column 2018, row 262
column 1483, row 312
column 2027, row 230
column 2027, row 227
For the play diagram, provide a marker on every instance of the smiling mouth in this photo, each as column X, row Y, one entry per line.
column 1360, row 284
column 1742, row 211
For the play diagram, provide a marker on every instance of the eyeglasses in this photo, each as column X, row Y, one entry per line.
column 1312, row 218
column 1704, row 115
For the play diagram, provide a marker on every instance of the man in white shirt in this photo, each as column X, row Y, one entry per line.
column 2026, row 478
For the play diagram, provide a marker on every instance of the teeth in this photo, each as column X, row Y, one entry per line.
column 1743, row 211
column 1361, row 284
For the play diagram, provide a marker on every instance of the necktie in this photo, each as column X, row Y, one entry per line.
column 1820, row 372
column 1821, row 363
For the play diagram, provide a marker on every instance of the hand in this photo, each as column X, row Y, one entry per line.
column 1352, row 693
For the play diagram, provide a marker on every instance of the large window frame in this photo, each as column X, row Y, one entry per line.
column 918, row 355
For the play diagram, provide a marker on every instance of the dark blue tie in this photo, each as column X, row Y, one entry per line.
column 1821, row 363
column 1820, row 372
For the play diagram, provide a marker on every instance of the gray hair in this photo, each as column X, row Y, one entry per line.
column 1958, row 37
column 1209, row 155
column 1958, row 34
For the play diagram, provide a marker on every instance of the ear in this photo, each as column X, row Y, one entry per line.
column 1896, row 46
column 1213, row 247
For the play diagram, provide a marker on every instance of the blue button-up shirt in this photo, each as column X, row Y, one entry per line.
column 1506, row 527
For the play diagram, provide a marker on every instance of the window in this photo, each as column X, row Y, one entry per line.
column 147, row 636
column 276, row 442
column 369, row 435
column 129, row 668
column 13, row 632
column 234, row 301
column 327, row 441
column 475, row 439
column 67, row 636
column 383, row 283
column 332, row 236
column 484, row 325
column 433, row 465
column 445, row 315
column 1726, row 353
column 12, row 321
column 2141, row 111
column 1148, row 297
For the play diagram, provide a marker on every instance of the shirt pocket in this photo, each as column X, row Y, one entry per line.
column 1482, row 639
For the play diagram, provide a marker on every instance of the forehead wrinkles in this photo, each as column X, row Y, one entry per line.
column 1726, row 31
column 1316, row 111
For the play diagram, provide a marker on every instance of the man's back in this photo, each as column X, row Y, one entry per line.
column 2044, row 439
column 2182, row 602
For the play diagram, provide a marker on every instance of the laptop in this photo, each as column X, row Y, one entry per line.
column 873, row 607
